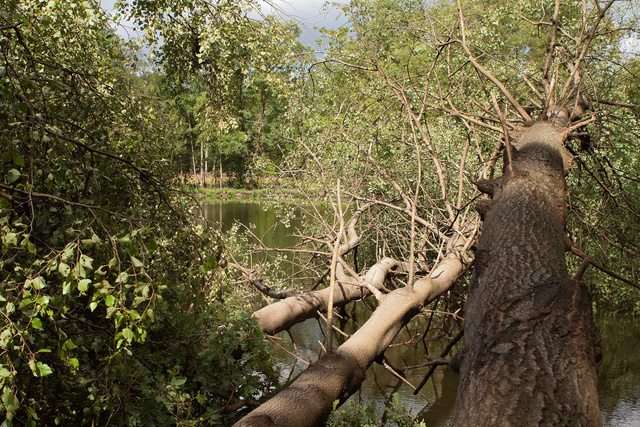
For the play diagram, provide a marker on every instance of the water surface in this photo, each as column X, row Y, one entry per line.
column 618, row 372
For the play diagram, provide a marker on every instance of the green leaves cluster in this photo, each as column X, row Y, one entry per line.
column 358, row 414
column 101, row 259
column 400, row 66
column 229, row 73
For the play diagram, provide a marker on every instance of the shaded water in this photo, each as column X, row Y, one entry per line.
column 618, row 372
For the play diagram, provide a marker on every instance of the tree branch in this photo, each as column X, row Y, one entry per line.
column 602, row 268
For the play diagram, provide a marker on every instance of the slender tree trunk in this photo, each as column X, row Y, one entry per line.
column 193, row 163
column 220, row 157
column 202, row 163
column 206, row 165
column 193, row 155
column 529, row 353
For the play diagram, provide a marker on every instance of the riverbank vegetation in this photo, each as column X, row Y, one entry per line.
column 122, row 305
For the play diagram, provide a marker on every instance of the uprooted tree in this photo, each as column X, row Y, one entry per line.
column 449, row 92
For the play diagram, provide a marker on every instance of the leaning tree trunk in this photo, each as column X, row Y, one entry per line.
column 529, row 352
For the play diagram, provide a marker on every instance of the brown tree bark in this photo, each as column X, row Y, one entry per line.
column 529, row 352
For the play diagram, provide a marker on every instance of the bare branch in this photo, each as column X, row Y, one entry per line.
column 521, row 111
column 259, row 284
column 603, row 268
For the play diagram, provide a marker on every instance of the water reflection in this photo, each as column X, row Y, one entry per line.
column 434, row 404
column 618, row 372
column 259, row 218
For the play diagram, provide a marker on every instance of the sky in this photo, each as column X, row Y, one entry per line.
column 308, row 14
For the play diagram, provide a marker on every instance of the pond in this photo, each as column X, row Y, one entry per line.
column 618, row 372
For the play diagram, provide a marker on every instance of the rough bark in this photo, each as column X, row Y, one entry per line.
column 335, row 376
column 529, row 351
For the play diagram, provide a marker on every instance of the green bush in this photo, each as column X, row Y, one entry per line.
column 359, row 414
column 112, row 304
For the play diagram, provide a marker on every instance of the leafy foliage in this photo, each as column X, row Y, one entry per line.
column 358, row 414
column 100, row 258
column 236, row 68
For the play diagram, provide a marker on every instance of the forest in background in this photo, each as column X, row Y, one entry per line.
column 122, row 306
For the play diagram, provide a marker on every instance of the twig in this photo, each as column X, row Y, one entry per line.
column 335, row 328
column 443, row 354
column 404, row 380
column 521, row 111
column 273, row 340
column 603, row 268
column 332, row 278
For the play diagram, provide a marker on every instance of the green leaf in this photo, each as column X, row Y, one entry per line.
column 11, row 402
column 74, row 363
column 178, row 381
column 10, row 239
column 36, row 283
column 18, row 160
column 86, row 261
column 151, row 245
column 211, row 262
column 42, row 370
column 128, row 334
column 13, row 175
column 64, row 269
column 201, row 399
column 5, row 337
column 110, row 300
column 36, row 323
column 83, row 285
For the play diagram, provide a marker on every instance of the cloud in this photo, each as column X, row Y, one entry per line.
column 309, row 14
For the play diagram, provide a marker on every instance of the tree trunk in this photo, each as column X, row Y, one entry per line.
column 283, row 314
column 193, row 163
column 202, row 163
column 529, row 353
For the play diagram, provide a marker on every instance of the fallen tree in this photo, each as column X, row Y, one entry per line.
column 530, row 345
column 337, row 375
